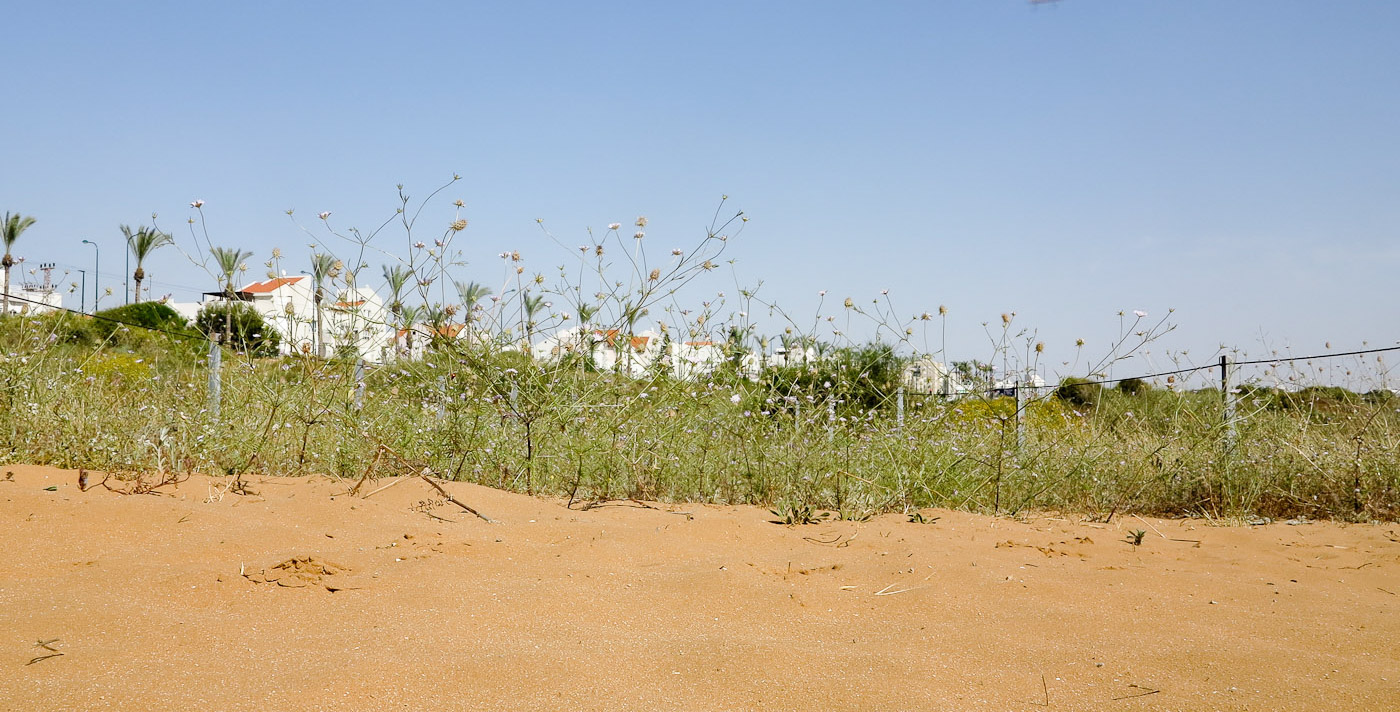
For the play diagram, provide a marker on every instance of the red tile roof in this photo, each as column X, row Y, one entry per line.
column 270, row 285
column 449, row 330
column 612, row 336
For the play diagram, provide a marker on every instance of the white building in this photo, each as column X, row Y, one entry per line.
column 287, row 304
column 413, row 343
column 29, row 297
column 606, row 349
column 357, row 320
column 928, row 377
column 33, row 299
column 693, row 360
column 354, row 319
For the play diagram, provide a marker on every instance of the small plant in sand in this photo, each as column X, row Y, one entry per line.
column 1135, row 537
column 797, row 513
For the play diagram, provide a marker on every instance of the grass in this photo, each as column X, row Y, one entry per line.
column 499, row 419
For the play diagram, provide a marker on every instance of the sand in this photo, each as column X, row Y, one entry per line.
column 299, row 596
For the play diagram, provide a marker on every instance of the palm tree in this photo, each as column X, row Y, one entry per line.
column 322, row 266
column 435, row 317
column 409, row 316
column 631, row 312
column 142, row 243
column 397, row 278
column 228, row 260
column 586, row 312
column 11, row 229
column 528, row 307
column 736, row 344
column 470, row 293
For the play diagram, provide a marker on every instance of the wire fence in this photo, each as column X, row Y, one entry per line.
column 813, row 432
column 1225, row 363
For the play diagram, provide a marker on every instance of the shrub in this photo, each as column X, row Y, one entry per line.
column 1379, row 396
column 248, row 330
column 1133, row 386
column 1079, row 392
column 862, row 378
column 1319, row 397
column 150, row 315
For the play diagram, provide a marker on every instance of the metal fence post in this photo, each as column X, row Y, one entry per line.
column 359, row 384
column 899, row 408
column 1227, row 367
column 215, row 358
column 442, row 397
column 830, row 418
column 1020, row 414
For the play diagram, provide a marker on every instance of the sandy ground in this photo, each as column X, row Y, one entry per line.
column 301, row 597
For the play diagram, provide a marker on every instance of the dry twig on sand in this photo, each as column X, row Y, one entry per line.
column 450, row 498
column 381, row 489
column 138, row 486
column 1146, row 691
column 46, row 645
column 425, row 475
column 378, row 453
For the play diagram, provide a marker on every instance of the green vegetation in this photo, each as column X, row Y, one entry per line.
column 502, row 419
column 824, row 429
column 247, row 332
column 1080, row 392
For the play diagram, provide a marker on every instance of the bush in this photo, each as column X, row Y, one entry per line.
column 1379, row 396
column 147, row 315
column 862, row 379
column 1079, row 392
column 1314, row 397
column 248, row 333
column 1133, row 386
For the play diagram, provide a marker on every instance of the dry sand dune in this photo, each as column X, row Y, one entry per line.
column 300, row 597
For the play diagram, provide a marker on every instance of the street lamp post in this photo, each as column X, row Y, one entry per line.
column 126, row 280
column 96, row 271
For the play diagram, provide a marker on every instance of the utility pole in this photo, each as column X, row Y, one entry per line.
column 96, row 271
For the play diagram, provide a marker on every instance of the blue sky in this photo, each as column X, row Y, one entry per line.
column 1237, row 161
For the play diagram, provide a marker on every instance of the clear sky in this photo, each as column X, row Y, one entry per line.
column 1236, row 161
